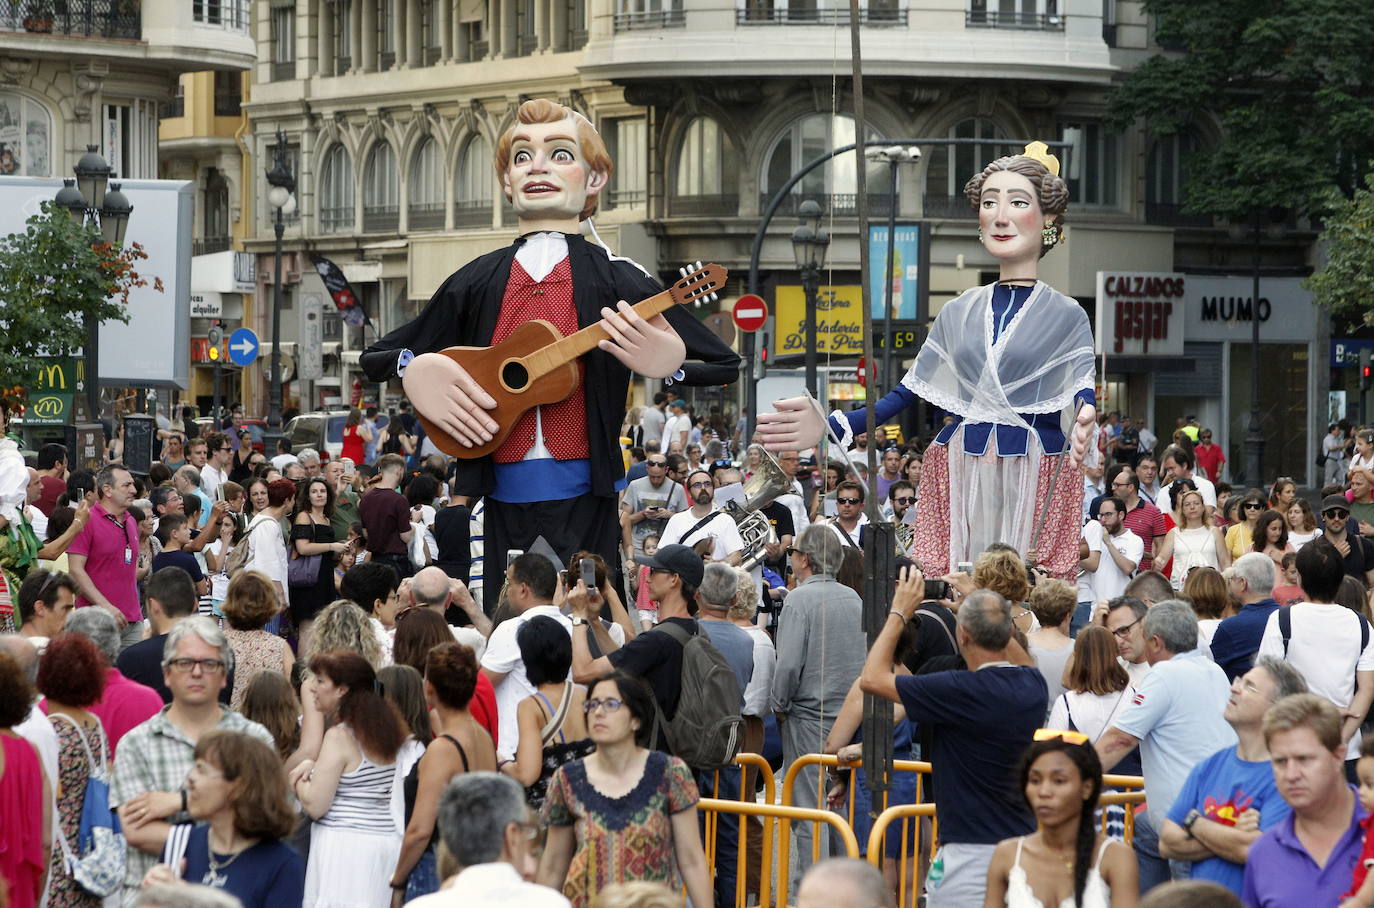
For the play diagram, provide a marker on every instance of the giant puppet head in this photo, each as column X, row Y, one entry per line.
column 552, row 166
column 1020, row 200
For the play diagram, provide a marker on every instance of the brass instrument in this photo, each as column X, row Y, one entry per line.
column 767, row 483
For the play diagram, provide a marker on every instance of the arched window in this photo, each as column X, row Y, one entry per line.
column 336, row 192
column 1166, row 172
column 381, row 191
column 474, row 184
column 951, row 166
column 833, row 183
column 25, row 137
column 706, row 174
column 426, row 202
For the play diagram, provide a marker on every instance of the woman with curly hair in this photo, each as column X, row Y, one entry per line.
column 72, row 678
column 1066, row 860
column 450, row 678
column 343, row 625
column 250, row 603
column 347, row 791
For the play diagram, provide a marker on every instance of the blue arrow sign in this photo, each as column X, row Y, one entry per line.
column 243, row 347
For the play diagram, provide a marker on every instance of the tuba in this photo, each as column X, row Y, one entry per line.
column 759, row 491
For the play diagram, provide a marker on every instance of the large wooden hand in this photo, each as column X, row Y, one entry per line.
column 444, row 393
column 651, row 348
column 794, row 425
column 1082, row 433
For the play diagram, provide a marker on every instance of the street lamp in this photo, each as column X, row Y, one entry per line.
column 1254, row 432
column 809, row 243
column 89, row 204
column 893, row 156
column 282, row 184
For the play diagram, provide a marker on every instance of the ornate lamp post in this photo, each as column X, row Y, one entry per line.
column 282, row 184
column 809, row 244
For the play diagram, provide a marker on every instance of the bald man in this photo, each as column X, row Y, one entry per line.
column 433, row 589
column 845, row 883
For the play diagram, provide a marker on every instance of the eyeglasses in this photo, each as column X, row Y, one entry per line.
column 1068, row 737
column 610, row 703
column 1122, row 633
column 1251, row 506
column 659, row 570
column 1336, row 514
column 849, row 501
column 904, row 500
column 186, row 666
column 705, row 484
column 657, row 463
column 1120, row 485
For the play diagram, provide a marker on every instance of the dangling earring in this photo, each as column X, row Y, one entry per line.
column 1050, row 235
column 980, row 234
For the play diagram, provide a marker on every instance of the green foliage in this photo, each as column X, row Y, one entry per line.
column 1346, row 284
column 1290, row 83
column 52, row 276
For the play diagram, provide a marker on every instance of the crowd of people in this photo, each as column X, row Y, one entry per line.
column 284, row 678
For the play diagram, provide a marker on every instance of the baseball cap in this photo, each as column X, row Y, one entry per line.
column 1335, row 501
column 677, row 559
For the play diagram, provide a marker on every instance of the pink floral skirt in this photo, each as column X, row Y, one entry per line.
column 978, row 500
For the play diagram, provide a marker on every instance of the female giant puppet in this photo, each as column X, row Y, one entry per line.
column 1005, row 360
column 557, row 473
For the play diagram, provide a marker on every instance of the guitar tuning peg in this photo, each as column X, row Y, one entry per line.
column 698, row 268
column 682, row 271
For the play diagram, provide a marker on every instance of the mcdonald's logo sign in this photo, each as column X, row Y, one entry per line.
column 49, row 407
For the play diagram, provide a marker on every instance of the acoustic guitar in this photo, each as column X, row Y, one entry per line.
column 536, row 366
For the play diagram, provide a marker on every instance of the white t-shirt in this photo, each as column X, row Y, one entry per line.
column 211, row 479
column 267, row 552
column 1325, row 648
column 1092, row 713
column 1109, row 581
column 503, row 657
column 1177, row 715
column 761, row 682
column 472, row 638
column 219, row 581
column 1204, row 488
column 673, row 427
column 282, row 460
column 844, row 535
column 722, row 528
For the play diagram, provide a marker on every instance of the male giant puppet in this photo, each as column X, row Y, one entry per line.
column 1004, row 360
column 558, row 471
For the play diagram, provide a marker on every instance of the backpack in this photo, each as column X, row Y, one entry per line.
column 705, row 730
column 242, row 553
column 1286, row 631
column 98, row 862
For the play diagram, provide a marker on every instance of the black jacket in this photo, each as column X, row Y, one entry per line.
column 464, row 311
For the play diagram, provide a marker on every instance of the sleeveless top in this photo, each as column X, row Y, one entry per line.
column 411, row 785
column 362, row 801
column 557, row 750
column 353, row 446
column 1193, row 548
column 1095, row 892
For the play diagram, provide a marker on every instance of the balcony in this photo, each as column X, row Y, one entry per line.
column 948, row 206
column 658, row 18
column 776, row 16
column 228, row 105
column 427, row 216
column 211, row 244
column 1043, row 22
column 171, row 109
column 472, row 214
column 75, row 18
column 839, row 204
column 721, row 205
column 381, row 219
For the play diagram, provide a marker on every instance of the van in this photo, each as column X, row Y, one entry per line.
column 321, row 430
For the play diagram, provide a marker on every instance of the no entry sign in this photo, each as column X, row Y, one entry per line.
column 750, row 312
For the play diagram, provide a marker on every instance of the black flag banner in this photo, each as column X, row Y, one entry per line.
column 350, row 307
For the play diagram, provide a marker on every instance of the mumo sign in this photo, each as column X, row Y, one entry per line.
column 1140, row 314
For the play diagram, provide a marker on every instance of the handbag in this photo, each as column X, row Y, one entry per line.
column 303, row 570
column 97, row 865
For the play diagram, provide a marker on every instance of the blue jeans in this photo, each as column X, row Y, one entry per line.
column 727, row 832
column 1081, row 614
column 1154, row 870
column 424, row 876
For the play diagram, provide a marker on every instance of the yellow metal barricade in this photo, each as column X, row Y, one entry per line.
column 908, row 888
column 749, row 763
column 789, row 782
column 777, row 827
column 1128, row 799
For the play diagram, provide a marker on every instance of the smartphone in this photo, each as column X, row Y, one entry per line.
column 936, row 589
column 965, row 567
column 589, row 573
column 512, row 554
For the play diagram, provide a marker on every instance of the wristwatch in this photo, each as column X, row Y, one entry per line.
column 1188, row 821
column 578, row 622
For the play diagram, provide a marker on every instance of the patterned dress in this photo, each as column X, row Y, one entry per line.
column 254, row 651
column 74, row 771
column 620, row 839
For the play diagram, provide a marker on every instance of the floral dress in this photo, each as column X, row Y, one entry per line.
column 74, row 771
column 254, row 651
column 622, row 839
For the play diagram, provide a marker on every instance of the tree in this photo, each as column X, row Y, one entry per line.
column 53, row 276
column 1290, row 84
column 1346, row 284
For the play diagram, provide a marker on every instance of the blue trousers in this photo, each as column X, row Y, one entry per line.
column 727, row 833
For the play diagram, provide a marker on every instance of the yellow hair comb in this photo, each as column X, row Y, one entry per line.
column 1039, row 151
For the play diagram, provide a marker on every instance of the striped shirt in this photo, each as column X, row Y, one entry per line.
column 362, row 802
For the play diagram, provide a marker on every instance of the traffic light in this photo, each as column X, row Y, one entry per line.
column 761, row 361
column 213, row 354
column 1366, row 370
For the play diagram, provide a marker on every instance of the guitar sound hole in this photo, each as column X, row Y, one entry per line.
column 514, row 375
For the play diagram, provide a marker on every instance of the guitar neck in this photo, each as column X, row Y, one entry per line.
column 567, row 350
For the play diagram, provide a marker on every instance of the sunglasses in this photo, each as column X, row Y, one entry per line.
column 905, row 500
column 657, row 463
column 851, row 500
column 1068, row 737
column 1336, row 514
column 1251, row 506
